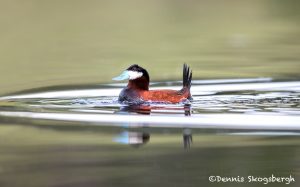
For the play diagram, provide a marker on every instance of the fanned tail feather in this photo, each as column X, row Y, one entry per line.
column 187, row 80
column 187, row 76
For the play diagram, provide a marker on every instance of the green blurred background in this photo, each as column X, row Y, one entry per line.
column 61, row 42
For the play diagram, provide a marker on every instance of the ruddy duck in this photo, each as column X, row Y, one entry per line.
column 137, row 90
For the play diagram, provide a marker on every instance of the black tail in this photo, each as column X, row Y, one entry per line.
column 187, row 77
column 187, row 81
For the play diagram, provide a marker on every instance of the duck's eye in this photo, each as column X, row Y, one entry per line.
column 134, row 75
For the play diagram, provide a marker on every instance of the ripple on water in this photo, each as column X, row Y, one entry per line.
column 229, row 102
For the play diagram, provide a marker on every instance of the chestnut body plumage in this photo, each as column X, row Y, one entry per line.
column 137, row 90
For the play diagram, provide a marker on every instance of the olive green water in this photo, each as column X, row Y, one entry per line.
column 69, row 42
column 57, row 43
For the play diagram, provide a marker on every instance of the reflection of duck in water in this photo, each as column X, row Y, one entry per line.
column 138, row 91
column 142, row 137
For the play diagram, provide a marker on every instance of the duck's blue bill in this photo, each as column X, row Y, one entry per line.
column 123, row 76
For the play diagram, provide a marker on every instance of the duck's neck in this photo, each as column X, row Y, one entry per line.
column 140, row 84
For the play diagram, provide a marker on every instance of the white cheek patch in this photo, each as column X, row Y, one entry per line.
column 134, row 75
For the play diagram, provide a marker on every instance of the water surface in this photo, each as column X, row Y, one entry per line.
column 225, row 104
column 84, row 137
column 60, row 123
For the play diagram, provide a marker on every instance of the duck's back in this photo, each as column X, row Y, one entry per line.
column 172, row 96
